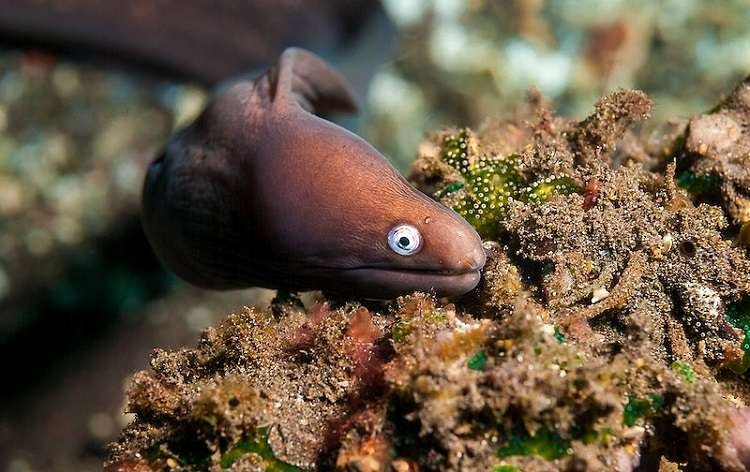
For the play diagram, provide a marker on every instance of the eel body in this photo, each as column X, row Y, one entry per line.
column 203, row 40
column 262, row 191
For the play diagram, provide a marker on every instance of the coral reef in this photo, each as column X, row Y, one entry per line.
column 610, row 330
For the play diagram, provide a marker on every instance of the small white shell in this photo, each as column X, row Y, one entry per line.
column 666, row 243
column 599, row 294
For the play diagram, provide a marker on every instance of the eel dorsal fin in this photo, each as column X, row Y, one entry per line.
column 300, row 77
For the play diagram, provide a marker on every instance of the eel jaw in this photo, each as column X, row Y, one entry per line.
column 386, row 283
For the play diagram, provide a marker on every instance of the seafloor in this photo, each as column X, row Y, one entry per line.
column 610, row 331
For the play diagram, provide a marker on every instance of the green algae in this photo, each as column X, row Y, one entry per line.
column 543, row 190
column 449, row 189
column 478, row 361
column 559, row 335
column 455, row 152
column 544, row 443
column 638, row 408
column 434, row 317
column 183, row 449
column 634, row 410
column 490, row 183
column 684, row 369
column 257, row 445
column 505, row 468
column 400, row 330
column 699, row 185
column 738, row 315
column 490, row 186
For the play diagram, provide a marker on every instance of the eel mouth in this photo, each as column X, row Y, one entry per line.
column 383, row 282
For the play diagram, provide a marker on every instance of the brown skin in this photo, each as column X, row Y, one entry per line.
column 203, row 40
column 260, row 191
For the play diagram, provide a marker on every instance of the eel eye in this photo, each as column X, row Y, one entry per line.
column 405, row 240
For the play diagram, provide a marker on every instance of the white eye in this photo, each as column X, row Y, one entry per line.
column 405, row 240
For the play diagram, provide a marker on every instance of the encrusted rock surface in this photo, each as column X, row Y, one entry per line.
column 611, row 327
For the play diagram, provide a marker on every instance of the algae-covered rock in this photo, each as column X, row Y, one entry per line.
column 610, row 329
column 715, row 161
column 617, row 244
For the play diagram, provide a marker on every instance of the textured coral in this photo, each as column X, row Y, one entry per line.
column 453, row 393
column 536, row 402
column 254, row 380
column 487, row 184
column 637, row 251
column 608, row 330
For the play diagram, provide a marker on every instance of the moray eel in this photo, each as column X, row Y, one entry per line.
column 261, row 191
